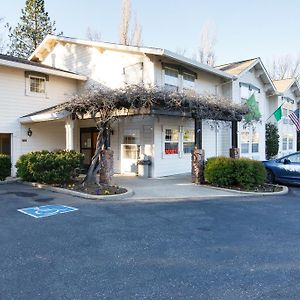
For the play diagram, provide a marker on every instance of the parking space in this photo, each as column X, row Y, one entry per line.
column 240, row 248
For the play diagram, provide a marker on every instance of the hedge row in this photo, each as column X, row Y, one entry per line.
column 5, row 166
column 242, row 172
column 49, row 167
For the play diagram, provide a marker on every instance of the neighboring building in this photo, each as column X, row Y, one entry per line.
column 252, row 78
column 26, row 87
column 289, row 97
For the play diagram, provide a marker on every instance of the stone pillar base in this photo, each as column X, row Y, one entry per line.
column 107, row 166
column 234, row 152
column 198, row 157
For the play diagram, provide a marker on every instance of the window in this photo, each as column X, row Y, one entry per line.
column 255, row 142
column 244, row 92
column 188, row 81
column 290, row 121
column 284, row 142
column 171, row 79
column 291, row 142
column 37, row 84
column 188, row 140
column 171, row 141
column 245, row 141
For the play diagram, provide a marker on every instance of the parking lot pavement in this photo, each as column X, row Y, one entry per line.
column 240, row 248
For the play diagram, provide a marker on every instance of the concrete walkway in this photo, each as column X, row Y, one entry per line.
column 170, row 187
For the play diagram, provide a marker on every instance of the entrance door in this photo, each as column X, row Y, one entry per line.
column 5, row 144
column 129, row 157
column 88, row 141
column 130, row 151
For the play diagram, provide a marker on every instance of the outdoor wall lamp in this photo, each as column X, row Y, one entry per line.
column 29, row 132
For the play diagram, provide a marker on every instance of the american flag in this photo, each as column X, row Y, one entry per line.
column 294, row 116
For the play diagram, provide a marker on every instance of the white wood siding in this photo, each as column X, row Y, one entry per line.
column 100, row 65
column 15, row 103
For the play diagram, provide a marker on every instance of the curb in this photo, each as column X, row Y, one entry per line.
column 128, row 194
column 11, row 180
column 284, row 191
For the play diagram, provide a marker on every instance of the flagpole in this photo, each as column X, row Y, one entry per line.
column 274, row 111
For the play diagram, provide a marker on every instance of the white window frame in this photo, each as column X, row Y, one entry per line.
column 182, row 139
column 28, row 85
column 284, row 142
column 166, row 84
column 192, row 84
column 164, row 141
column 250, row 132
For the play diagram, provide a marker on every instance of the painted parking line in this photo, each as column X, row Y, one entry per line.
column 46, row 210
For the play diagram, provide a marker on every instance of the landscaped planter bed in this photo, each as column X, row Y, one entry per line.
column 264, row 188
column 93, row 189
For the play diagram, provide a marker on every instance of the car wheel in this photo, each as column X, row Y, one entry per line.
column 270, row 176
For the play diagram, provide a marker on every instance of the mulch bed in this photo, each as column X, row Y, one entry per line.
column 264, row 188
column 94, row 189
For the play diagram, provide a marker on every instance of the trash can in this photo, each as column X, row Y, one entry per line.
column 144, row 167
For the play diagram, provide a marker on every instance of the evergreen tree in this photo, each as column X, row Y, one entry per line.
column 272, row 140
column 34, row 25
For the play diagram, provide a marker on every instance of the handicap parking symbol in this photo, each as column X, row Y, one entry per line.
column 46, row 210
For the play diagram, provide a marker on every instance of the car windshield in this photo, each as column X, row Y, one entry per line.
column 294, row 158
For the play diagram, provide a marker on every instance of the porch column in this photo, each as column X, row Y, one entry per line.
column 198, row 133
column 198, row 155
column 69, row 126
column 234, row 151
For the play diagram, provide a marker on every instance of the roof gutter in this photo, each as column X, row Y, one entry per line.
column 195, row 64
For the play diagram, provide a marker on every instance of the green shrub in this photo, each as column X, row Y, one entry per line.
column 49, row 167
column 249, row 173
column 242, row 172
column 219, row 171
column 5, row 166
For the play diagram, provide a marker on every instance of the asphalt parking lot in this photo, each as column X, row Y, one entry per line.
column 239, row 248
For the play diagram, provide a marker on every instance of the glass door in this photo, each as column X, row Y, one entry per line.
column 88, row 142
column 5, row 144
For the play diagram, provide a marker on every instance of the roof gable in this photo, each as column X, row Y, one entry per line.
column 284, row 85
column 236, row 68
column 241, row 67
column 51, row 40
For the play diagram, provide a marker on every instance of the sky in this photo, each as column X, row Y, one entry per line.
column 244, row 29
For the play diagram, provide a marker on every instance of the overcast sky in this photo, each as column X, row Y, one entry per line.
column 245, row 29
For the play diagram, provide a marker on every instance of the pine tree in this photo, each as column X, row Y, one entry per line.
column 34, row 25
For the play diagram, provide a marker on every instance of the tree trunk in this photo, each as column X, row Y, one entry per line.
column 95, row 166
column 91, row 176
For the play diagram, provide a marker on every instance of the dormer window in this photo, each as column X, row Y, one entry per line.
column 37, row 84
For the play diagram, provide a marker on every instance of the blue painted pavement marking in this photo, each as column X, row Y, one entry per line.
column 46, row 210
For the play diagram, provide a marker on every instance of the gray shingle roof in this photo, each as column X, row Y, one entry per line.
column 31, row 63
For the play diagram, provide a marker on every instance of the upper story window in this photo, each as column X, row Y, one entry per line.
column 247, row 90
column 171, row 79
column 37, row 84
column 178, row 78
column 287, row 108
column 188, row 81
